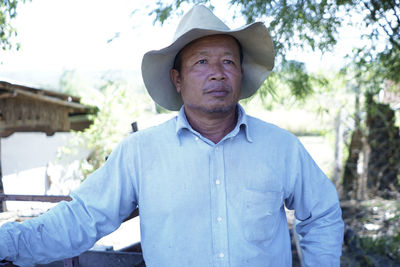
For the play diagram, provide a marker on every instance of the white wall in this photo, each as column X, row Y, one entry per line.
column 26, row 159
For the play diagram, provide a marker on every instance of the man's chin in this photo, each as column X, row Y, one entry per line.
column 219, row 109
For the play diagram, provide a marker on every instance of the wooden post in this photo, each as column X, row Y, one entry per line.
column 338, row 163
column 2, row 205
column 71, row 262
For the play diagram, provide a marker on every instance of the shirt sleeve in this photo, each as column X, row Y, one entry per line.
column 315, row 201
column 97, row 208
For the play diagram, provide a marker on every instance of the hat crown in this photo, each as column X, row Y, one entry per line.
column 199, row 17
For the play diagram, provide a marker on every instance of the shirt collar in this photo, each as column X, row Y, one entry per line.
column 242, row 123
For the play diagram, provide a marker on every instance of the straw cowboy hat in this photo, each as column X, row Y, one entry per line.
column 258, row 55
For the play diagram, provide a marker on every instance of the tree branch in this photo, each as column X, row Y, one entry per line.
column 378, row 18
column 395, row 8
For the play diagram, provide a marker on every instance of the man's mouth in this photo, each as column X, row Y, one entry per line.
column 218, row 91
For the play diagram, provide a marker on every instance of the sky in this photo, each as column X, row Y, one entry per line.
column 58, row 35
column 74, row 34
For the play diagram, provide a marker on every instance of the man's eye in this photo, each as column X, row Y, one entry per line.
column 228, row 61
column 202, row 61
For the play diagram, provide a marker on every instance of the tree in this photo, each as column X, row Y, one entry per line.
column 382, row 20
column 311, row 24
column 120, row 104
column 8, row 11
column 293, row 21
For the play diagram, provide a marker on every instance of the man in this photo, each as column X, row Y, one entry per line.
column 212, row 183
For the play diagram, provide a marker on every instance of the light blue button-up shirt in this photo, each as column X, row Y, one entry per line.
column 201, row 204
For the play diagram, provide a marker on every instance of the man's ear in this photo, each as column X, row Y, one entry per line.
column 176, row 79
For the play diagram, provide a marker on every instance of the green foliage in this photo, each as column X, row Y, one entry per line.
column 385, row 245
column 119, row 108
column 390, row 62
column 291, row 85
column 301, row 24
column 311, row 115
column 164, row 11
column 380, row 54
column 314, row 25
column 8, row 11
column 294, row 23
column 119, row 105
column 72, row 82
column 300, row 82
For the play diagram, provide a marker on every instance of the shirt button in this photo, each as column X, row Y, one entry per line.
column 219, row 219
column 216, row 148
column 196, row 138
column 221, row 255
column 217, row 182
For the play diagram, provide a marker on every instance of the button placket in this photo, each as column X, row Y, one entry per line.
column 218, row 191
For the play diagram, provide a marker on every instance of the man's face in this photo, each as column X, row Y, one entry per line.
column 211, row 74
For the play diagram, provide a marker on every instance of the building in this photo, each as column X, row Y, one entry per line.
column 29, row 121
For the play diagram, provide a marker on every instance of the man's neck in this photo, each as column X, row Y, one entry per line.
column 213, row 126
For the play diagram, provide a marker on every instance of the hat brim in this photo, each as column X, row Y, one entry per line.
column 258, row 62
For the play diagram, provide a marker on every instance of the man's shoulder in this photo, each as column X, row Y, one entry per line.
column 261, row 125
column 261, row 129
column 162, row 131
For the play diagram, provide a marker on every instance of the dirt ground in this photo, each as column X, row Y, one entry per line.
column 372, row 234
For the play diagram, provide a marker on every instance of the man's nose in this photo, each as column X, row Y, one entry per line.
column 217, row 72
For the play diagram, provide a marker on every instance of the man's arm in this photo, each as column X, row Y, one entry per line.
column 97, row 208
column 64, row 231
column 315, row 201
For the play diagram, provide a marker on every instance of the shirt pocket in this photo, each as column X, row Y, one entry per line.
column 261, row 214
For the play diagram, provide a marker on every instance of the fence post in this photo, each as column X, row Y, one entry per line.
column 2, row 204
column 71, row 262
